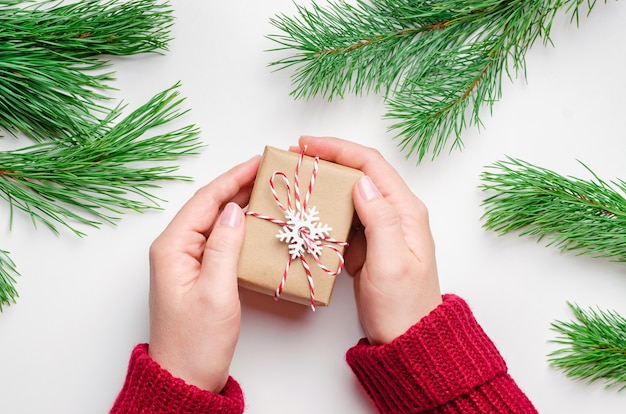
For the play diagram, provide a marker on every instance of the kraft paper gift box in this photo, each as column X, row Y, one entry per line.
column 264, row 255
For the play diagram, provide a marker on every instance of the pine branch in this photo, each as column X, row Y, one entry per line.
column 8, row 272
column 594, row 346
column 436, row 63
column 94, row 182
column 89, row 27
column 50, row 83
column 48, row 98
column 86, row 168
column 587, row 216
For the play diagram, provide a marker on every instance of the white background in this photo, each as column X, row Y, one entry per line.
column 64, row 346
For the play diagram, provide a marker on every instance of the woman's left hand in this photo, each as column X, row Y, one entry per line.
column 194, row 300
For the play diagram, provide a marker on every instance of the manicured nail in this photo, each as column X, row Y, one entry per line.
column 367, row 189
column 231, row 216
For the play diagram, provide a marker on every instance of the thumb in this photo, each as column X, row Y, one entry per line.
column 383, row 229
column 221, row 253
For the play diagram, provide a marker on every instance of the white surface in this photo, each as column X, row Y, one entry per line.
column 83, row 302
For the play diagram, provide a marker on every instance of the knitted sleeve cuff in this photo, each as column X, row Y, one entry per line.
column 151, row 389
column 445, row 357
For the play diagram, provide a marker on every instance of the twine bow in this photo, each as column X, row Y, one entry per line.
column 301, row 228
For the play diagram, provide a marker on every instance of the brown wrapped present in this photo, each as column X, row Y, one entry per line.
column 295, row 237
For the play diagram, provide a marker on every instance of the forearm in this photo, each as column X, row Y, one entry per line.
column 444, row 363
column 151, row 389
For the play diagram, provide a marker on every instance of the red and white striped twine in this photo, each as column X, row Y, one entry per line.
column 301, row 206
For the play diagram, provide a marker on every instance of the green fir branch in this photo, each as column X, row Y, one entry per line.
column 99, row 179
column 48, row 98
column 89, row 27
column 50, row 77
column 86, row 168
column 593, row 346
column 436, row 63
column 8, row 273
column 586, row 216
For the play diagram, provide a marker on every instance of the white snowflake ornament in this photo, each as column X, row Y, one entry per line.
column 303, row 234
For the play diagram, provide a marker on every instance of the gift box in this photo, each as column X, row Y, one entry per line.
column 298, row 219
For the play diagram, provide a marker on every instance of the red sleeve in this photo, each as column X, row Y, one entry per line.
column 445, row 363
column 151, row 389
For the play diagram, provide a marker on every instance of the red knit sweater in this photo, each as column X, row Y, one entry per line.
column 443, row 364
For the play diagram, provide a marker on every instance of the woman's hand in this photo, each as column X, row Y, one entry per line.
column 393, row 257
column 194, row 300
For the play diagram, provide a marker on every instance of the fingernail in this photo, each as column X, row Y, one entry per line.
column 367, row 189
column 231, row 216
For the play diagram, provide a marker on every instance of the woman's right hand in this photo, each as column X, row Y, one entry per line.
column 392, row 257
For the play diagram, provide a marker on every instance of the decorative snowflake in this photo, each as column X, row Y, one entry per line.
column 303, row 234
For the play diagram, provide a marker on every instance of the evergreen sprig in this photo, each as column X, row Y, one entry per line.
column 89, row 27
column 586, row 216
column 50, row 98
column 593, row 346
column 8, row 294
column 85, row 168
column 51, row 76
column 435, row 62
column 95, row 181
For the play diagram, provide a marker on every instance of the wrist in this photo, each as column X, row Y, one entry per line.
column 211, row 379
column 390, row 319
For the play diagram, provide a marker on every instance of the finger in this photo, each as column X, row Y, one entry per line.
column 373, row 164
column 383, row 227
column 198, row 214
column 355, row 253
column 357, row 156
column 412, row 211
column 221, row 255
column 242, row 198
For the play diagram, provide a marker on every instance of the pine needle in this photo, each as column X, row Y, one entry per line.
column 83, row 169
column 594, row 346
column 585, row 216
column 50, row 77
column 49, row 98
column 89, row 27
column 8, row 272
column 436, row 63
column 94, row 181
